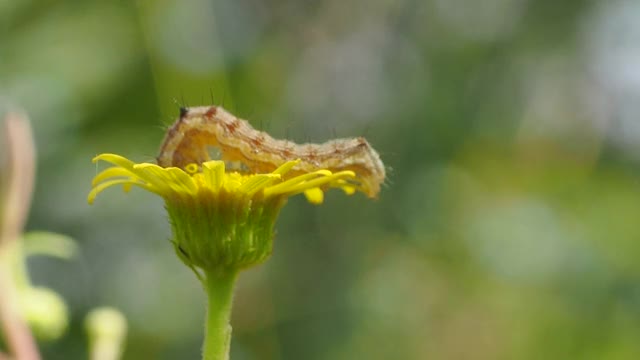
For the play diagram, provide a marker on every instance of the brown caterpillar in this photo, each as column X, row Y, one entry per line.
column 188, row 139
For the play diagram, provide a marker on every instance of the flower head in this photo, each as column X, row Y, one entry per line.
column 221, row 219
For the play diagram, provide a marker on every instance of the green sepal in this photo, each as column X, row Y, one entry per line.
column 222, row 231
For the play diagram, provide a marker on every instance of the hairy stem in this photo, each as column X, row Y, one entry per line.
column 219, row 286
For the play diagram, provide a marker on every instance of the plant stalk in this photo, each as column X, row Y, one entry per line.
column 219, row 286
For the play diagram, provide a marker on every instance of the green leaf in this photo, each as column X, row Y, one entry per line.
column 50, row 244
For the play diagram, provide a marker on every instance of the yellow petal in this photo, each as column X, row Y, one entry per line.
column 100, row 187
column 171, row 179
column 295, row 181
column 348, row 189
column 115, row 160
column 258, row 182
column 286, row 167
column 314, row 195
column 320, row 180
column 348, row 185
column 153, row 174
column 213, row 172
column 111, row 172
column 182, row 179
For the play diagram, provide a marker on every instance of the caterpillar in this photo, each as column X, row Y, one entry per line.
column 198, row 128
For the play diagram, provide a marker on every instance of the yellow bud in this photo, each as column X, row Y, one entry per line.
column 107, row 329
column 45, row 312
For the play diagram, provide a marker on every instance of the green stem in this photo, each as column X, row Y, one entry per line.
column 219, row 288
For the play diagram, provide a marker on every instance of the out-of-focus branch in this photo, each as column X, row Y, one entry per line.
column 15, row 200
column 19, row 175
column 107, row 329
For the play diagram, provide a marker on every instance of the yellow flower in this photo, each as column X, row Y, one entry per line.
column 220, row 219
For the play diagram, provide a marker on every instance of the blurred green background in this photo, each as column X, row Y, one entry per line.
column 508, row 228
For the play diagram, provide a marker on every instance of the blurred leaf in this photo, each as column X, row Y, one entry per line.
column 49, row 244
